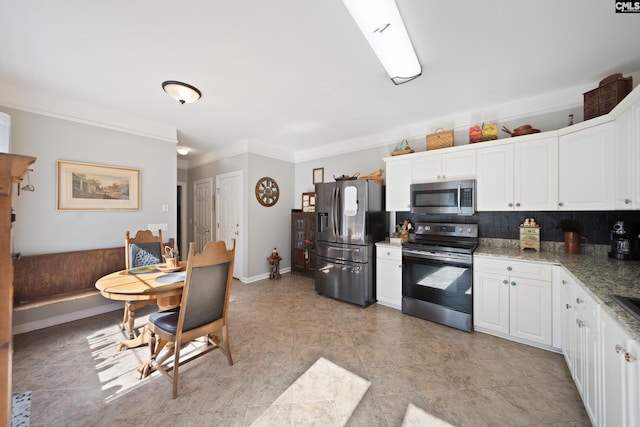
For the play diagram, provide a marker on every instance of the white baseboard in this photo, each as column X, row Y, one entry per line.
column 37, row 318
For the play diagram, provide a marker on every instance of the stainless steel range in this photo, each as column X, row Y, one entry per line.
column 437, row 273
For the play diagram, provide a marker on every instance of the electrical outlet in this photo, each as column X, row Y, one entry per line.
column 165, row 208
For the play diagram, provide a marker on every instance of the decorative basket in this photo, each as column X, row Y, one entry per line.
column 375, row 176
column 440, row 139
column 405, row 148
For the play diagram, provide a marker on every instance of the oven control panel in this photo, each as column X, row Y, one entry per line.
column 446, row 229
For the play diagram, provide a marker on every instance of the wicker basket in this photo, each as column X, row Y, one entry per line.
column 440, row 139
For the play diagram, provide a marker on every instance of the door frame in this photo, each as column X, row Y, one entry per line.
column 183, row 245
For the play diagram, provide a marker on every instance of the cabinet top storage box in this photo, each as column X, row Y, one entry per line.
column 440, row 139
column 607, row 95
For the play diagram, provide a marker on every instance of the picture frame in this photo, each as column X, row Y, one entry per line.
column 94, row 187
column 309, row 202
column 318, row 175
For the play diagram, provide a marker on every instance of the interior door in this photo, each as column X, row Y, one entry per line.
column 202, row 196
column 229, row 215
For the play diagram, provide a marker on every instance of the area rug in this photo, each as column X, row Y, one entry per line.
column 21, row 409
column 326, row 394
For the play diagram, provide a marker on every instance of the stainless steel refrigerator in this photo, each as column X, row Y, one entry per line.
column 350, row 219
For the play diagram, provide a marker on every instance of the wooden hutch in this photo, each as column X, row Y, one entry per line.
column 12, row 169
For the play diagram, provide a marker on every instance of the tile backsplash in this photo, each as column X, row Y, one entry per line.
column 594, row 226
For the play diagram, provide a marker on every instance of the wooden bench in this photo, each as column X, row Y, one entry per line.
column 49, row 278
column 44, row 279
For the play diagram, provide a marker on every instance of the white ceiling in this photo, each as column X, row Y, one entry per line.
column 298, row 74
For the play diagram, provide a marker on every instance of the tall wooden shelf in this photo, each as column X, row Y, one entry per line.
column 303, row 251
column 13, row 168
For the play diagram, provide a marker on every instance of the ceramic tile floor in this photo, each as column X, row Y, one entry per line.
column 279, row 329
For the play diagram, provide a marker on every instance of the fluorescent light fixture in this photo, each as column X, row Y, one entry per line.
column 382, row 26
column 183, row 151
column 182, row 92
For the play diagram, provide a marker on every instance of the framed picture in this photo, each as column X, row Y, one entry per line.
column 318, row 175
column 308, row 202
column 91, row 187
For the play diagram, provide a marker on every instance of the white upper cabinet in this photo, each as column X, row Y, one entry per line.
column 587, row 169
column 627, row 156
column 447, row 166
column 398, row 182
column 519, row 176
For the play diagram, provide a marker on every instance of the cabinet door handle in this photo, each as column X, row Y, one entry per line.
column 564, row 282
column 580, row 323
column 517, row 204
column 579, row 301
column 510, row 205
column 509, row 268
column 505, row 281
column 560, row 204
column 568, row 306
column 629, row 357
column 627, row 201
column 513, row 283
column 444, row 177
column 620, row 349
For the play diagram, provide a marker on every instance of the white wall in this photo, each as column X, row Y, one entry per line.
column 41, row 228
column 264, row 228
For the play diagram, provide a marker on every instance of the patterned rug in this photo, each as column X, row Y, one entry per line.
column 21, row 409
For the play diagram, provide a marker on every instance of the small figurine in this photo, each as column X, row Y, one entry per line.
column 570, row 120
column 532, row 223
column 274, row 264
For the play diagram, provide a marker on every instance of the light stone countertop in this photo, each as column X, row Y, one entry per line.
column 601, row 276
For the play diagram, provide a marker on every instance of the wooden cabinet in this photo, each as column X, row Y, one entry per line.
column 389, row 275
column 303, row 252
column 398, row 181
column 586, row 172
column 513, row 299
column 12, row 170
column 518, row 176
column 443, row 166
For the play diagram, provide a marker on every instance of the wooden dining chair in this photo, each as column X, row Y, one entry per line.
column 203, row 312
column 142, row 249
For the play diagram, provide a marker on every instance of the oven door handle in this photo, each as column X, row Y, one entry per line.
column 459, row 206
column 439, row 256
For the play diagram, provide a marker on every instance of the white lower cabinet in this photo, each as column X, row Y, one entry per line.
column 389, row 275
column 513, row 299
column 620, row 402
column 586, row 364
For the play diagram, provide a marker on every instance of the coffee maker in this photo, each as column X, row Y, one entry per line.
column 623, row 245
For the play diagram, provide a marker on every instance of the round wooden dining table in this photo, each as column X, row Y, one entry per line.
column 144, row 283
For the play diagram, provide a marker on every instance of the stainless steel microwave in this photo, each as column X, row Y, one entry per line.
column 452, row 197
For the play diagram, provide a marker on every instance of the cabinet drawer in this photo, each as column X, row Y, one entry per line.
column 530, row 270
column 389, row 252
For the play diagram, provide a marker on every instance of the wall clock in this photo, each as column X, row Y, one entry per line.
column 267, row 191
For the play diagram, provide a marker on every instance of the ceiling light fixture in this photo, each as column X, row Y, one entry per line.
column 382, row 26
column 183, row 151
column 182, row 92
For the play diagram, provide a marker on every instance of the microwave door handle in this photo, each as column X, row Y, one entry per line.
column 459, row 207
